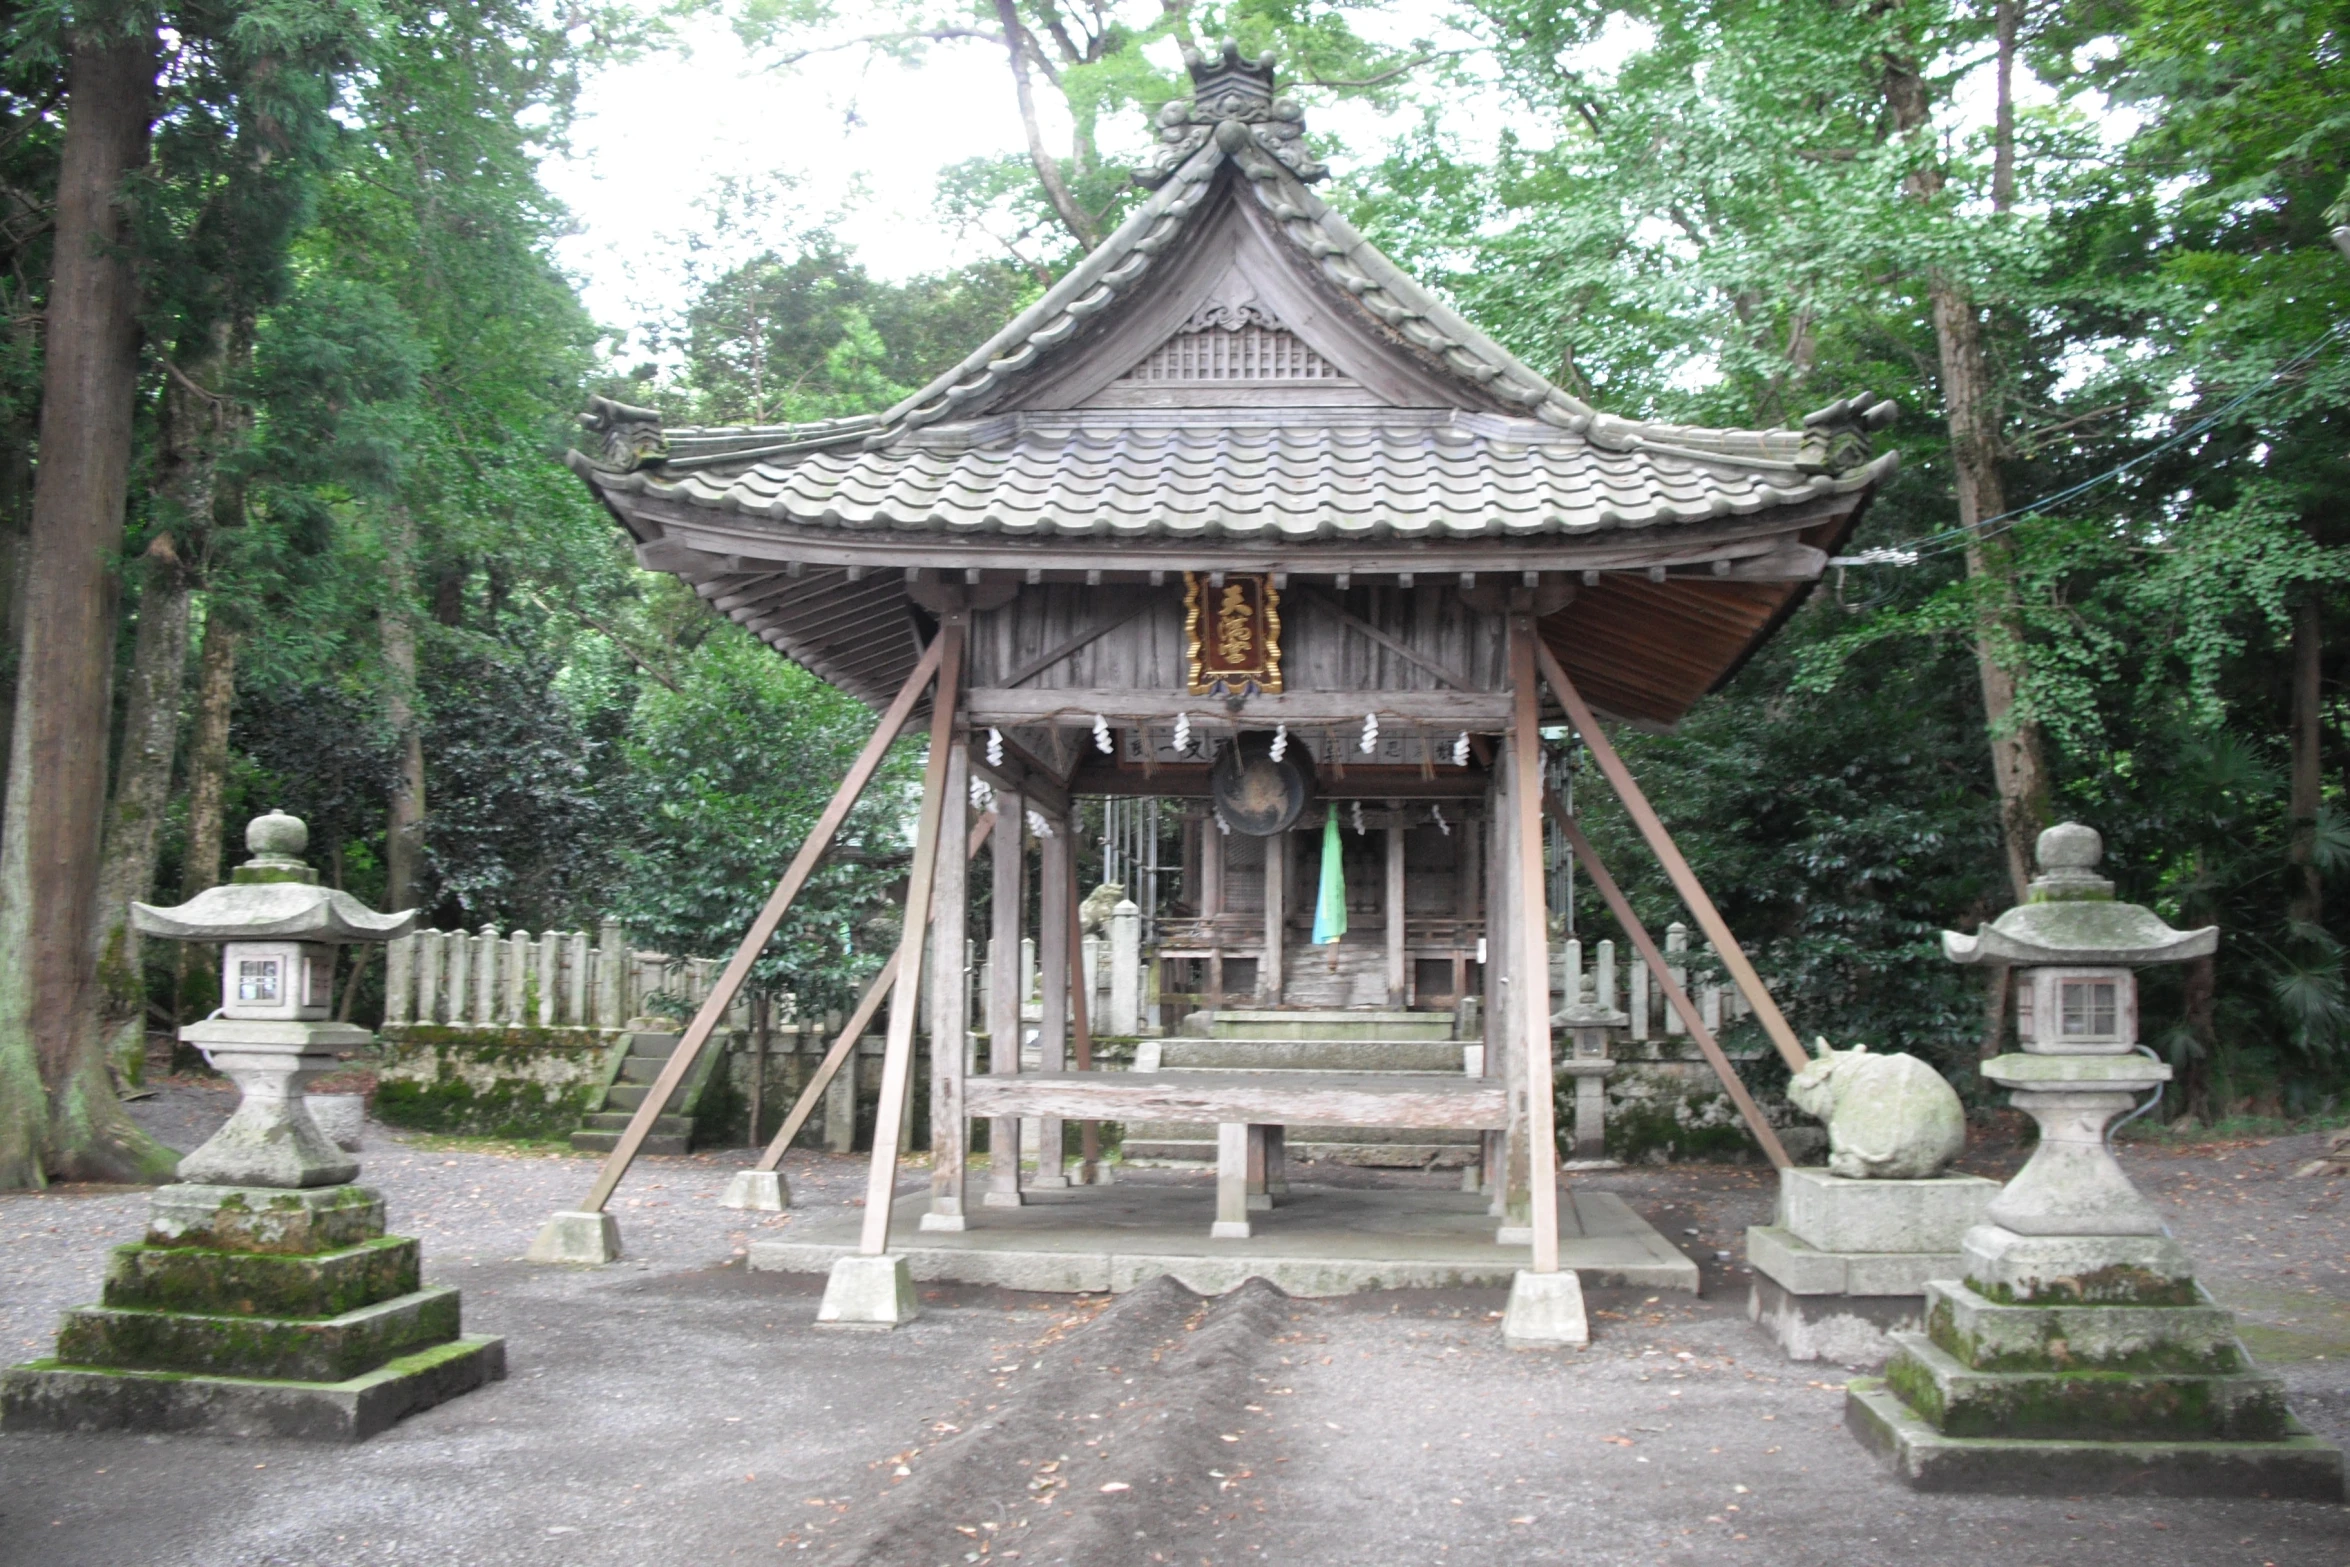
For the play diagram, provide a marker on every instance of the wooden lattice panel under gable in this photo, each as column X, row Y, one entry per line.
column 1233, row 343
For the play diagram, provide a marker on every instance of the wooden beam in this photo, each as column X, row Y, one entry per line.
column 1006, row 895
column 1668, row 853
column 897, row 1061
column 1675, row 996
column 950, row 995
column 1532, row 987
column 877, row 991
column 1397, row 979
column 754, row 942
column 1263, row 1098
column 1269, row 963
column 1089, row 1134
column 1448, row 711
column 1056, row 916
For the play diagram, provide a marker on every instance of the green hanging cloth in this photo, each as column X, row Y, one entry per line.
column 1330, row 905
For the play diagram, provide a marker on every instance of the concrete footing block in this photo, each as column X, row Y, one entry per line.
column 869, row 1292
column 762, row 1191
column 589, row 1238
column 1545, row 1311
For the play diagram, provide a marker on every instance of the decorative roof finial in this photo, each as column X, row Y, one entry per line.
column 1231, row 100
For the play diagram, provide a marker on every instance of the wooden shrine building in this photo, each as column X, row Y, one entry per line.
column 1239, row 514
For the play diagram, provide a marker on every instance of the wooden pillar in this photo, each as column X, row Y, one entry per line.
column 1056, row 916
column 1007, row 857
column 1507, row 1169
column 1276, row 916
column 1211, row 869
column 1398, row 977
column 950, row 995
column 1532, row 1004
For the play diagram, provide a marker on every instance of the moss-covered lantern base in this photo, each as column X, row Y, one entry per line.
column 255, row 1311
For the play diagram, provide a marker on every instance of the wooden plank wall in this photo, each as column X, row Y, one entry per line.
column 1320, row 652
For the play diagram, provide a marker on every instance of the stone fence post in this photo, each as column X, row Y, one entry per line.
column 1125, row 968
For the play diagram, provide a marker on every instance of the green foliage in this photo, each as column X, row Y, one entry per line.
column 729, row 767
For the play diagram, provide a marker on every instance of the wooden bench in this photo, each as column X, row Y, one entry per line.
column 1251, row 1112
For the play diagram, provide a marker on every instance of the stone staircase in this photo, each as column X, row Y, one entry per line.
column 1284, row 1040
column 625, row 1091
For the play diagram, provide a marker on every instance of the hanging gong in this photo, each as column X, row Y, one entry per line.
column 1254, row 793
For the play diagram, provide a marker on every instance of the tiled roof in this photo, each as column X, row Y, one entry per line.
column 1363, row 473
column 1520, row 456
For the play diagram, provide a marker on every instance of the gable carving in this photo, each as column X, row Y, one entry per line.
column 1233, row 343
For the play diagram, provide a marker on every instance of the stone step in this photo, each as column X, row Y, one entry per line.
column 265, row 1284
column 641, row 1069
column 626, row 1096
column 2297, row 1464
column 605, row 1142
column 617, row 1121
column 321, row 1349
column 2114, row 1406
column 1311, row 1055
column 1983, row 1335
column 1306, row 1023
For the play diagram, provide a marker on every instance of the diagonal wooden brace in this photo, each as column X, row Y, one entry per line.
column 1668, row 853
column 738, row 969
column 897, row 1061
column 859, row 1020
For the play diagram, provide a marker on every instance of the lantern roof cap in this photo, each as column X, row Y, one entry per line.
column 273, row 896
column 2070, row 915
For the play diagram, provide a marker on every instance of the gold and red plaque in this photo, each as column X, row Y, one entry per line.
column 1232, row 632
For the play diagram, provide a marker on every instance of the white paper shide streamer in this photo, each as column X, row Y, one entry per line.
column 1460, row 750
column 1443, row 826
column 1370, row 733
column 1360, row 829
column 995, row 747
column 1222, row 825
column 1101, row 734
column 1182, row 732
column 982, row 797
column 1038, row 827
column 1280, row 742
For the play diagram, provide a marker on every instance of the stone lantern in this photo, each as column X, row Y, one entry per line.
column 278, row 931
column 1590, row 1028
column 266, row 1299
column 2078, row 1352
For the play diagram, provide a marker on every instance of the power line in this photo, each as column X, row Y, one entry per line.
column 1942, row 543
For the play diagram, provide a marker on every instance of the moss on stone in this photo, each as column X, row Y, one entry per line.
column 511, row 1107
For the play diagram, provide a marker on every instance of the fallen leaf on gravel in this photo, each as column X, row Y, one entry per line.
column 1620, row 1441
column 1117, row 1485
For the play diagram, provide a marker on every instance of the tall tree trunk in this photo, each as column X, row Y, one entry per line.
column 216, row 700
column 142, row 787
column 2305, row 890
column 2019, row 765
column 404, row 835
column 1065, row 205
column 59, row 1115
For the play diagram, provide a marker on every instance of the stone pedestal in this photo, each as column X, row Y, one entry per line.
column 271, row 1139
column 1847, row 1262
column 577, row 1236
column 1546, row 1312
column 2077, row 1352
column 762, row 1191
column 255, row 1311
column 869, row 1292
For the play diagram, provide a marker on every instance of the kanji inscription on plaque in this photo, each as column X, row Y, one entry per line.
column 1232, row 631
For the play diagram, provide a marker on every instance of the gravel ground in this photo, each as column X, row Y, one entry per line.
column 676, row 1409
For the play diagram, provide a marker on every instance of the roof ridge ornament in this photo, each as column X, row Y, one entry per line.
column 629, row 437
column 1232, row 101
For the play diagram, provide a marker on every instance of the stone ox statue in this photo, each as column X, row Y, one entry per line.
column 1889, row 1117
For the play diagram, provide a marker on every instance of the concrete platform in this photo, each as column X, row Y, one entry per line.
column 1319, row 1240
